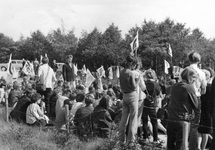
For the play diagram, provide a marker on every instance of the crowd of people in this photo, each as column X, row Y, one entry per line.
column 138, row 107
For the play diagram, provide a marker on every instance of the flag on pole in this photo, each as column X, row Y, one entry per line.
column 166, row 66
column 117, row 71
column 169, row 52
column 134, row 45
column 46, row 55
column 41, row 58
column 89, row 78
column 101, row 71
column 110, row 73
column 9, row 68
column 75, row 69
column 28, row 69
column 84, row 70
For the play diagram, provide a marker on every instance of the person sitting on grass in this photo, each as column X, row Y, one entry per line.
column 82, row 119
column 19, row 112
column 79, row 103
column 14, row 94
column 102, row 121
column 34, row 114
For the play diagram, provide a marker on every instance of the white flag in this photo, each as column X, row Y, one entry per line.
column 166, row 67
column 89, row 78
column 134, row 45
column 169, row 51
column 101, row 71
column 117, row 71
column 28, row 69
column 84, row 70
column 75, row 69
column 9, row 67
column 110, row 73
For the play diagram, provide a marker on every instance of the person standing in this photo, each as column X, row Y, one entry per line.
column 68, row 72
column 200, row 88
column 130, row 102
column 46, row 76
column 54, row 65
column 183, row 101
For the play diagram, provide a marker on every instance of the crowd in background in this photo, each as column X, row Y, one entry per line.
column 138, row 106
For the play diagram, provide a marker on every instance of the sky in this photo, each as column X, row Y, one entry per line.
column 22, row 17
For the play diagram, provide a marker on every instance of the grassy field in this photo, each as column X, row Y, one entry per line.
column 14, row 136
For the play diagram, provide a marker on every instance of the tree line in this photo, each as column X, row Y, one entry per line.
column 109, row 48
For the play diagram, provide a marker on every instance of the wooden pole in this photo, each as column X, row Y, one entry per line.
column 6, row 107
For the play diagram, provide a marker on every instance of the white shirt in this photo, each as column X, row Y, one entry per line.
column 201, row 80
column 141, row 85
column 33, row 113
column 59, row 103
column 47, row 76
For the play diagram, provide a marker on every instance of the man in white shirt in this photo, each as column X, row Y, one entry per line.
column 47, row 77
column 200, row 88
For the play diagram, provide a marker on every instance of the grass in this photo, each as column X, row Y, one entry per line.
column 15, row 136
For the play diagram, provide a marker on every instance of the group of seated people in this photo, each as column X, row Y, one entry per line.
column 89, row 113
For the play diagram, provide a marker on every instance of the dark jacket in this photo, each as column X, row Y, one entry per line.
column 13, row 97
column 102, row 121
column 68, row 72
column 183, row 101
column 19, row 112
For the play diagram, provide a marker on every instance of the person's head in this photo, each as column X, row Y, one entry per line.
column 89, row 99
column 105, row 86
column 68, row 102
column 211, row 72
column 69, row 58
column 92, row 90
column 29, row 92
column 189, row 75
column 80, row 89
column 60, row 83
column 25, row 78
column 36, row 98
column 194, row 58
column 105, row 102
column 207, row 74
column 72, row 96
column 66, row 92
column 66, row 85
column 16, row 85
column 54, row 61
column 131, row 62
column 150, row 74
column 80, row 98
column 45, row 60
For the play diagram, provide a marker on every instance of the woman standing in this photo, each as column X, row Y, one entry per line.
column 130, row 102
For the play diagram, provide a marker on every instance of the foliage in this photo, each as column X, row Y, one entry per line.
column 109, row 48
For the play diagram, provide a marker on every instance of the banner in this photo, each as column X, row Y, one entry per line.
column 101, row 71
column 89, row 78
column 28, row 68
column 117, row 71
column 166, row 66
column 176, row 71
column 169, row 52
column 110, row 73
column 134, row 45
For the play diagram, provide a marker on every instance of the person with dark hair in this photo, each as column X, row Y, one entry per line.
column 200, row 88
column 79, row 103
column 128, row 86
column 34, row 114
column 14, row 94
column 68, row 72
column 82, row 119
column 19, row 112
column 54, row 65
column 205, row 125
column 102, row 121
column 46, row 77
column 183, row 102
